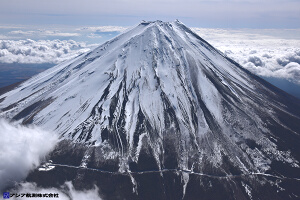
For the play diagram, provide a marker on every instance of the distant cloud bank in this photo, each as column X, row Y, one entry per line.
column 78, row 33
column 102, row 29
column 50, row 44
column 41, row 51
column 44, row 33
column 263, row 52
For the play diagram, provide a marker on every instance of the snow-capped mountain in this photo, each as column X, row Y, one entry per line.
column 160, row 100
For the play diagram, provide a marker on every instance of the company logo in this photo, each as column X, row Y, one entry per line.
column 5, row 195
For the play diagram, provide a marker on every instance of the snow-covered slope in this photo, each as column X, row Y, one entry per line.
column 162, row 91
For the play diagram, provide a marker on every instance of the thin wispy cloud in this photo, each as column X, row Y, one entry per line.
column 103, row 29
column 93, row 35
column 43, row 33
column 5, row 37
column 88, row 34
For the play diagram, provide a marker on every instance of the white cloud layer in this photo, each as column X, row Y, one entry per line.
column 65, row 192
column 21, row 150
column 78, row 33
column 41, row 51
column 44, row 33
column 260, row 51
column 265, row 52
column 103, row 29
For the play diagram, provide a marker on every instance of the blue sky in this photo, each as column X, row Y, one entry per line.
column 200, row 13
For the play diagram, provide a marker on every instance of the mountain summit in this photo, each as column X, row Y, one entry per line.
column 168, row 115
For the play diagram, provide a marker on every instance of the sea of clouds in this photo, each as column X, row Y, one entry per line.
column 32, row 45
column 40, row 51
column 267, row 53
